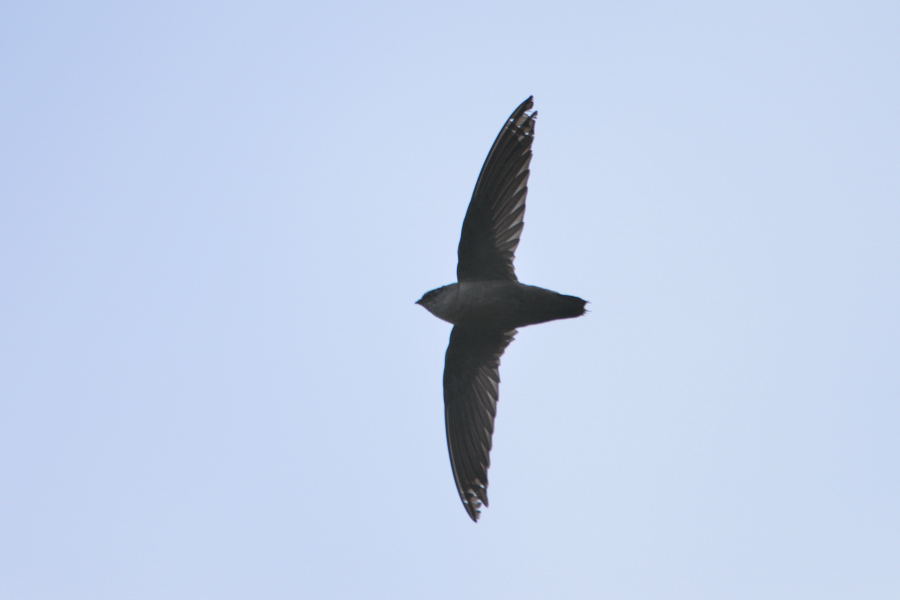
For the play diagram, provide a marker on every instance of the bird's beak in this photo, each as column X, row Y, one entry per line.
column 419, row 301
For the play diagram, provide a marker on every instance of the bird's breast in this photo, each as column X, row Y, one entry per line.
column 485, row 302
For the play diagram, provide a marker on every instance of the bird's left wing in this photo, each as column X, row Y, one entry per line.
column 494, row 219
column 471, row 388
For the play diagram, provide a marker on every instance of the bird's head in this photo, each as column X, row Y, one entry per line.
column 440, row 302
column 429, row 299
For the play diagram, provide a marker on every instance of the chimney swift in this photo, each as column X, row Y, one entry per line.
column 488, row 304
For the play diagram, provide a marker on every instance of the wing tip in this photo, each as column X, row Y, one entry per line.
column 474, row 499
column 474, row 512
column 522, row 111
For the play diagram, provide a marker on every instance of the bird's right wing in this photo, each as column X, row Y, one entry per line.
column 494, row 219
column 471, row 388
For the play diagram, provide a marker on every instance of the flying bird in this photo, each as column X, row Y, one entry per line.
column 487, row 305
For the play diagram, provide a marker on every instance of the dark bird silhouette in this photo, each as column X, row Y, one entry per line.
column 488, row 304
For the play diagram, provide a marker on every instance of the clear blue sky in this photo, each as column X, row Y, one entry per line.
column 216, row 217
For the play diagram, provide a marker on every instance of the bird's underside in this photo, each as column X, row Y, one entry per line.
column 488, row 304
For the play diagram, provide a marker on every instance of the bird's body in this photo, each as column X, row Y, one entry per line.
column 501, row 304
column 487, row 305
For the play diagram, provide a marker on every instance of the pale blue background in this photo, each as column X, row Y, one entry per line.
column 215, row 220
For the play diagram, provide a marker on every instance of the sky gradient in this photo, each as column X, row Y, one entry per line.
column 216, row 218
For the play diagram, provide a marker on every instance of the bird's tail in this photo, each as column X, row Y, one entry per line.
column 545, row 305
column 569, row 306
